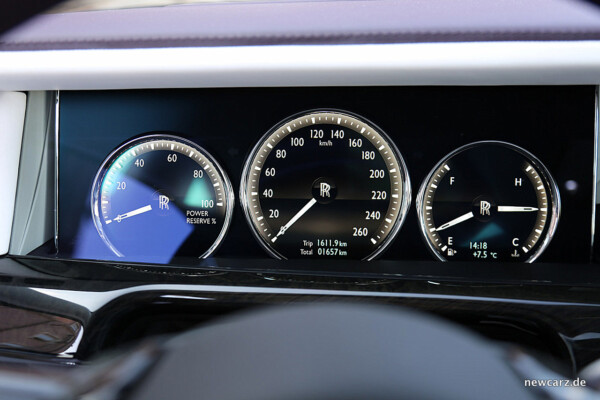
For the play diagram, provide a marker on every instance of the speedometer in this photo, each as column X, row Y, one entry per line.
column 325, row 184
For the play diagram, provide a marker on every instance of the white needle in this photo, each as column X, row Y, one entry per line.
column 455, row 221
column 516, row 209
column 138, row 211
column 295, row 218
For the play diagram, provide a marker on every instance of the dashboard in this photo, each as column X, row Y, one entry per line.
column 506, row 158
column 153, row 189
column 513, row 128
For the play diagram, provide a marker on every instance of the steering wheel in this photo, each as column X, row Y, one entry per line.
column 332, row 352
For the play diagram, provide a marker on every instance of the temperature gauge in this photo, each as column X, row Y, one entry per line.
column 488, row 201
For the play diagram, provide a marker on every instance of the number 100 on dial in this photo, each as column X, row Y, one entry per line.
column 159, row 197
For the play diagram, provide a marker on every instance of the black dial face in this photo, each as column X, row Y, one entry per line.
column 488, row 201
column 325, row 184
column 160, row 196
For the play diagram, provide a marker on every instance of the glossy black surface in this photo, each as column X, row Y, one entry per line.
column 532, row 305
column 426, row 123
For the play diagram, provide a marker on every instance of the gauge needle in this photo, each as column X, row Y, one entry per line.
column 516, row 209
column 138, row 211
column 455, row 221
column 295, row 218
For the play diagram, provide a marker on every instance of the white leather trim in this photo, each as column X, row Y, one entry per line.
column 12, row 117
column 478, row 63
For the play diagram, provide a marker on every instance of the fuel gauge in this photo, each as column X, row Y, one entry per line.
column 488, row 201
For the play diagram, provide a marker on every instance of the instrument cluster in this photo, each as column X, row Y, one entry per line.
column 350, row 181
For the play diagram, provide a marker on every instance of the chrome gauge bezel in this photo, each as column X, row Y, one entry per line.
column 402, row 171
column 123, row 148
column 538, row 165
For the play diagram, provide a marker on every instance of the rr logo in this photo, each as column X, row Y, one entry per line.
column 325, row 188
column 484, row 208
column 163, row 202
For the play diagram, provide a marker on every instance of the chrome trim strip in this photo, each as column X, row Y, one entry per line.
column 94, row 301
column 595, row 183
column 72, row 350
column 56, row 150
column 474, row 63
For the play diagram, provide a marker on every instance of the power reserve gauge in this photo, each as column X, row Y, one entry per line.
column 160, row 196
column 488, row 201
